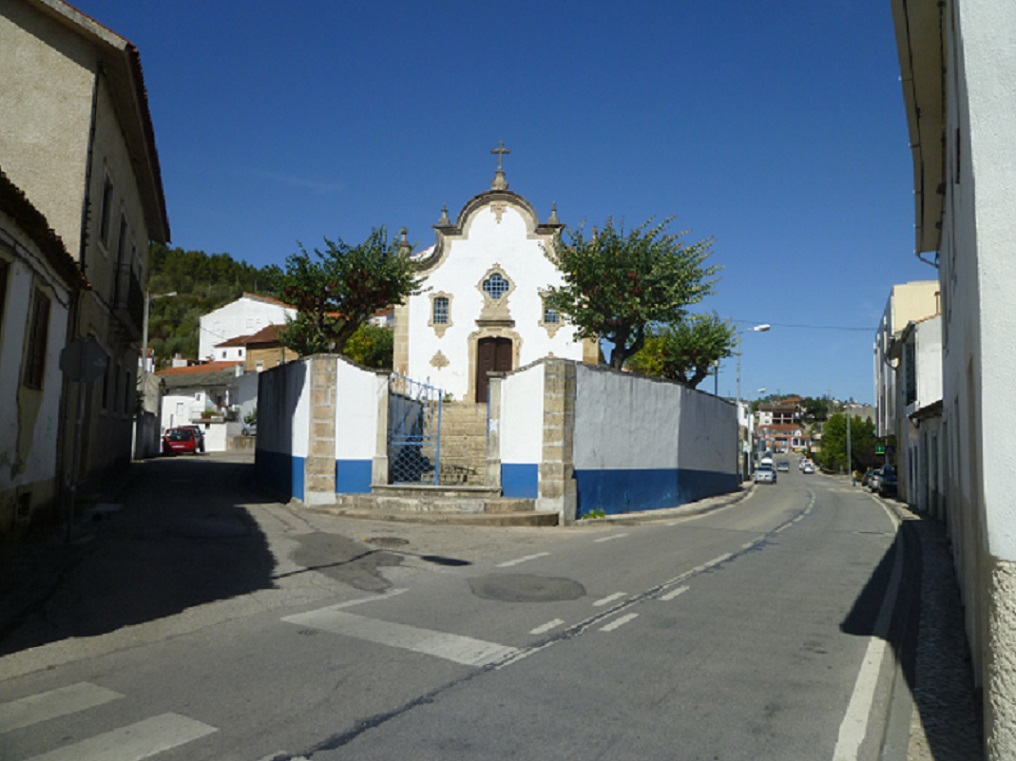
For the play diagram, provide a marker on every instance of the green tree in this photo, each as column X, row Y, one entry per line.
column 687, row 351
column 371, row 346
column 833, row 455
column 337, row 290
column 617, row 284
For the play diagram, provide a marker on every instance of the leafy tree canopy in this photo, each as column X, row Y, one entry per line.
column 686, row 351
column 337, row 290
column 833, row 455
column 371, row 346
column 617, row 284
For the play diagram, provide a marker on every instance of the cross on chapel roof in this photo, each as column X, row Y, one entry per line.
column 499, row 182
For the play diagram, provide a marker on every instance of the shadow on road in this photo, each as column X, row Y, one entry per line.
column 180, row 536
column 927, row 636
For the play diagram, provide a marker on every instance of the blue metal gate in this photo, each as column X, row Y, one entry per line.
column 414, row 431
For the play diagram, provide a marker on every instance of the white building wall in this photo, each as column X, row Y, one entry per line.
column 28, row 457
column 521, row 431
column 243, row 317
column 358, row 399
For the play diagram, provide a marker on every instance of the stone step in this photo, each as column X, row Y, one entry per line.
column 534, row 518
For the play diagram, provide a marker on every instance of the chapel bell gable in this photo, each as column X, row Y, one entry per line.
column 481, row 308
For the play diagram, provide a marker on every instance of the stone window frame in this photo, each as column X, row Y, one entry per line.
column 551, row 326
column 495, row 309
column 440, row 328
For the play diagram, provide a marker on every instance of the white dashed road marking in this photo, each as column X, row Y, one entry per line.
column 53, row 704
column 547, row 626
column 610, row 538
column 525, row 559
column 134, row 742
column 608, row 599
column 674, row 593
column 453, row 647
column 619, row 622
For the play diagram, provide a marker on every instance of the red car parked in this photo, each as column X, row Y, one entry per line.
column 179, row 441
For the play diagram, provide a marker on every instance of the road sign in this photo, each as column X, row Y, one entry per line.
column 880, row 449
column 83, row 360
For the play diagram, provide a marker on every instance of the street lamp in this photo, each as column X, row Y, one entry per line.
column 761, row 328
column 149, row 298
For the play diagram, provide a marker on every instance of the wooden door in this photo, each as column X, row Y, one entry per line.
column 493, row 355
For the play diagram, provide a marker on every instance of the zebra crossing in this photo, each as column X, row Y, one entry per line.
column 131, row 742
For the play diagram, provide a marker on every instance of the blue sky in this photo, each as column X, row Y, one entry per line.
column 775, row 128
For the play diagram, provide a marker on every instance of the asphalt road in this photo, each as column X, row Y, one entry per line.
column 208, row 623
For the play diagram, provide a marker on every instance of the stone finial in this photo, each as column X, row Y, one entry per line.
column 444, row 221
column 404, row 246
column 553, row 215
column 499, row 182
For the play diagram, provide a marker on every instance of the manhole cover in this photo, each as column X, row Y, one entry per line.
column 526, row 588
column 386, row 541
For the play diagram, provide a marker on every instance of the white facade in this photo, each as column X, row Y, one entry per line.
column 482, row 306
column 33, row 280
column 907, row 302
column 243, row 317
column 958, row 65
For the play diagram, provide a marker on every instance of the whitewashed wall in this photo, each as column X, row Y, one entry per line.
column 283, row 428
column 614, row 442
column 28, row 457
column 642, row 444
column 521, row 431
column 358, row 399
column 287, row 405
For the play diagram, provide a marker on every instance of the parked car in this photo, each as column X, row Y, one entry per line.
column 250, row 429
column 873, row 480
column 180, row 440
column 808, row 468
column 765, row 474
column 866, row 478
column 887, row 481
column 783, row 466
column 199, row 434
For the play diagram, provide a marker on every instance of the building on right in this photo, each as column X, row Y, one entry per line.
column 958, row 66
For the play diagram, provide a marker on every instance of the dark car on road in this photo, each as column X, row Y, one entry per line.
column 887, row 481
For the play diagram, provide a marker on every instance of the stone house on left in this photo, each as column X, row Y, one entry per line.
column 77, row 139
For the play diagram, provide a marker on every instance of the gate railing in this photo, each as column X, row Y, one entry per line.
column 414, row 431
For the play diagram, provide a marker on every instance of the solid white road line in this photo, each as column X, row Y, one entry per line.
column 675, row 593
column 525, row 559
column 855, row 722
column 53, row 704
column 619, row 622
column 133, row 742
column 547, row 626
column 608, row 599
column 452, row 647
column 611, row 538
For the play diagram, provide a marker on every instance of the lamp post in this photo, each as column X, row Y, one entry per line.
column 761, row 328
column 149, row 298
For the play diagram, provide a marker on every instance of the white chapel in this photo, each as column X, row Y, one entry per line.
column 481, row 308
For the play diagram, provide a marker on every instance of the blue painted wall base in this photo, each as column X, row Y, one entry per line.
column 625, row 491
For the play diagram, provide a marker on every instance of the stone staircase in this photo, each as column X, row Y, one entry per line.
column 463, row 444
column 442, row 504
